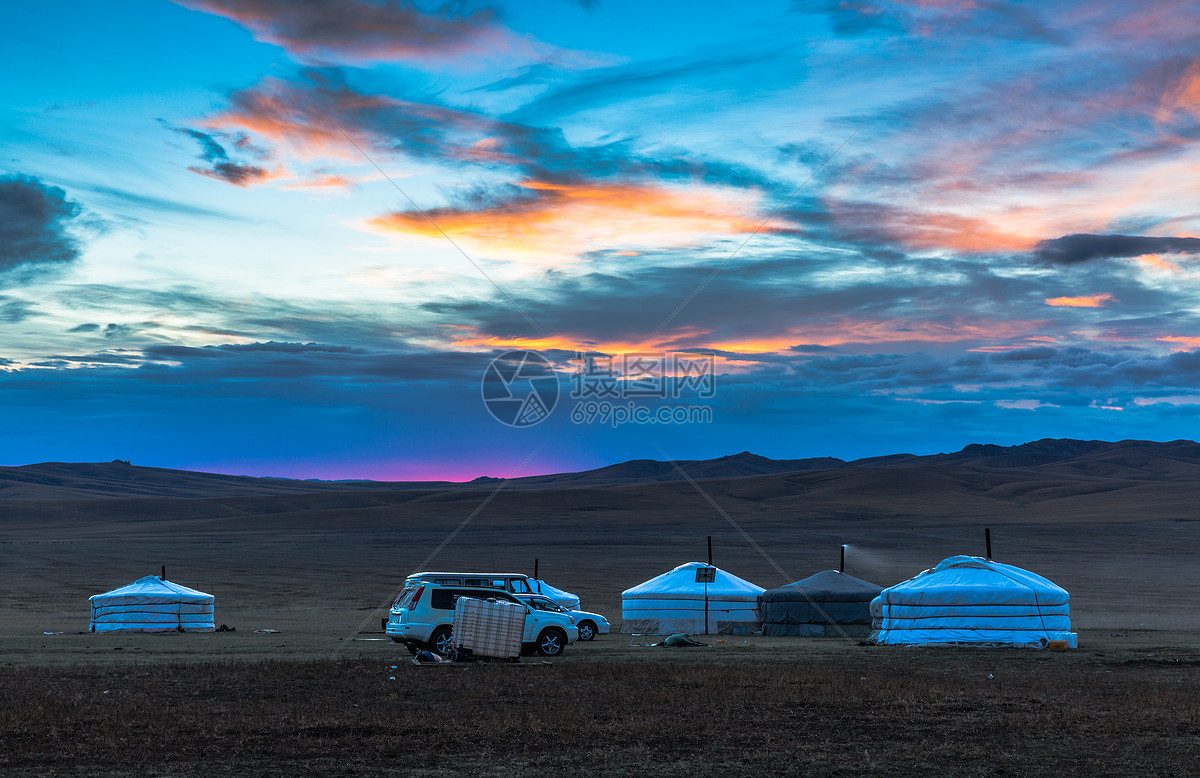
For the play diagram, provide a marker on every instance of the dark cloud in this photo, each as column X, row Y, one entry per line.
column 122, row 330
column 278, row 360
column 1074, row 249
column 361, row 30
column 312, row 111
column 853, row 18
column 220, row 165
column 85, row 328
column 102, row 358
column 35, row 227
column 366, row 325
column 15, row 311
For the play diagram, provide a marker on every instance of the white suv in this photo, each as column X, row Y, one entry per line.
column 422, row 616
column 590, row 624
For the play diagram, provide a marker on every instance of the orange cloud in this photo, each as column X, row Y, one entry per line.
column 1156, row 262
column 1182, row 343
column 323, row 182
column 679, row 339
column 566, row 220
column 305, row 120
column 831, row 332
column 1183, row 95
column 1093, row 301
column 961, row 233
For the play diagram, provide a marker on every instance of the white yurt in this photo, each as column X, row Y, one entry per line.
column 969, row 599
column 152, row 604
column 676, row 602
column 563, row 598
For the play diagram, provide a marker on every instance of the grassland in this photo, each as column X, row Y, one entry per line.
column 314, row 697
column 740, row 707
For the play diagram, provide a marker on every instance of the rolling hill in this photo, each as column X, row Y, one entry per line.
column 1048, row 461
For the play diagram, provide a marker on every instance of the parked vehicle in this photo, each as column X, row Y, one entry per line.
column 590, row 624
column 516, row 583
column 423, row 614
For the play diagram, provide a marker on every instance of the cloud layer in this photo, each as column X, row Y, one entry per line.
column 361, row 30
column 35, row 227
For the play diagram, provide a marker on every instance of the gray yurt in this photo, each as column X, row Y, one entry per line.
column 820, row 605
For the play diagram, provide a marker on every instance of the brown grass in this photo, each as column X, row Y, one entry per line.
column 874, row 712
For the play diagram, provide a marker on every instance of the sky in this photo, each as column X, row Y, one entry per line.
column 289, row 237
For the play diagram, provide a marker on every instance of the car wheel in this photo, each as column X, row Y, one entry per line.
column 441, row 641
column 587, row 630
column 551, row 642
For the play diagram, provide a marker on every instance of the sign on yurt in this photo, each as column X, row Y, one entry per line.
column 828, row 603
column 969, row 599
column 682, row 600
column 152, row 604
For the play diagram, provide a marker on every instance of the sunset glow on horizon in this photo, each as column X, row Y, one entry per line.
column 289, row 238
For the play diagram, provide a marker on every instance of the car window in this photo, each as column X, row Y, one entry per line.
column 443, row 599
column 521, row 585
column 402, row 597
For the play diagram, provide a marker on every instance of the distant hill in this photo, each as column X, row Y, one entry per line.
column 643, row 471
column 120, row 479
column 1055, row 461
column 1138, row 459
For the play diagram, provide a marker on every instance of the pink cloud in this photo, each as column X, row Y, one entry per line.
column 1091, row 301
column 364, row 31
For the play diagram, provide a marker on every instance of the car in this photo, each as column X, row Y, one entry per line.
column 516, row 583
column 590, row 624
column 422, row 618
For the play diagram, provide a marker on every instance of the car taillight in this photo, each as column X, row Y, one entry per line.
column 412, row 601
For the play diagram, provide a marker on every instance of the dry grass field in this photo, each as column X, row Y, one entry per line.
column 734, row 708
column 316, row 561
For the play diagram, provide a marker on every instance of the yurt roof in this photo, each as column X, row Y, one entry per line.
column 151, row 588
column 682, row 581
column 825, row 586
column 975, row 580
column 553, row 592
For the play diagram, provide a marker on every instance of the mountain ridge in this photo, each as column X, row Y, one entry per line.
column 1135, row 460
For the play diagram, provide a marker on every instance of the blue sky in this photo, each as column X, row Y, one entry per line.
column 287, row 238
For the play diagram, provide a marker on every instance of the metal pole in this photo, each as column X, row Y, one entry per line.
column 164, row 573
column 709, row 558
column 987, row 539
column 842, row 566
column 706, row 607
